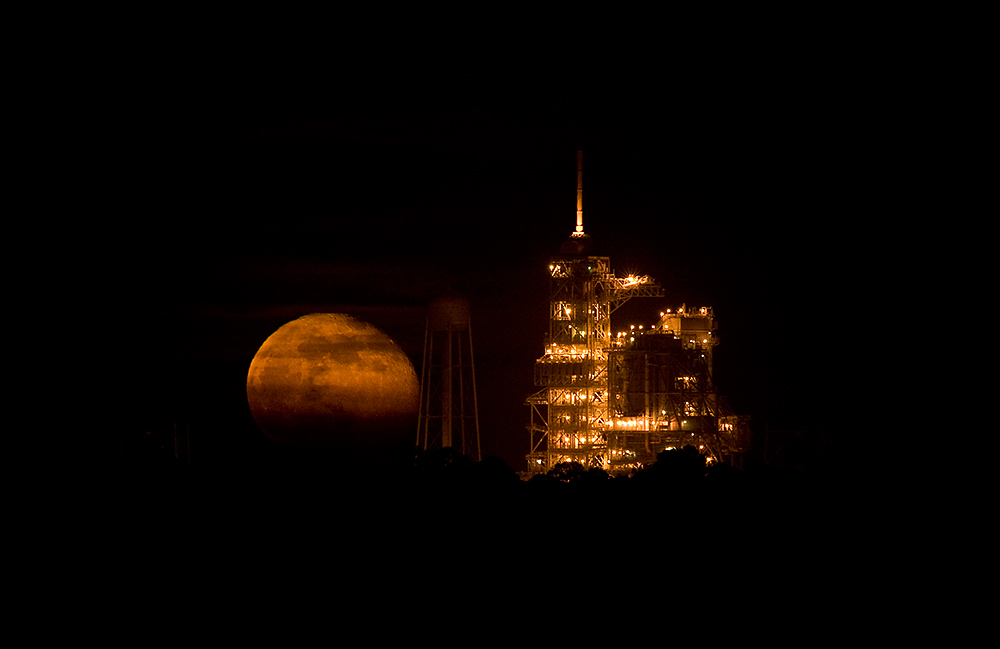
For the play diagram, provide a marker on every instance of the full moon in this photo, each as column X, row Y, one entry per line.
column 327, row 381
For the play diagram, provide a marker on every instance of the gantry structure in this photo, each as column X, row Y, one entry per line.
column 615, row 402
column 663, row 395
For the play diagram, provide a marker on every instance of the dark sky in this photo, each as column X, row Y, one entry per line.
column 265, row 188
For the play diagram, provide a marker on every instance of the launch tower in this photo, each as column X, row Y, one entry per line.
column 614, row 402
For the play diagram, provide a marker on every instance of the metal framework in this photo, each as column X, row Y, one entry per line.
column 571, row 414
column 663, row 395
column 616, row 402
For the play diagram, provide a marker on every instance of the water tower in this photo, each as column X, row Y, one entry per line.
column 449, row 411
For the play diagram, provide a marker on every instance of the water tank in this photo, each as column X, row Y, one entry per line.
column 449, row 313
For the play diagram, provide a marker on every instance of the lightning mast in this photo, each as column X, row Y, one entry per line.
column 579, row 195
column 616, row 402
column 570, row 415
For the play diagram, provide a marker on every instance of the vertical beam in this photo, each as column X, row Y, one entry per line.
column 579, row 192
column 425, row 378
column 645, row 408
column 475, row 400
column 461, row 392
column 446, row 396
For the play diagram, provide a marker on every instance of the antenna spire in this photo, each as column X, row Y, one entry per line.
column 579, row 242
column 579, row 194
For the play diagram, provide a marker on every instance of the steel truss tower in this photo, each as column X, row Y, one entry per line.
column 615, row 402
column 573, row 411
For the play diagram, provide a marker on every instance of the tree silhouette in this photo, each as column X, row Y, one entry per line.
column 567, row 472
column 674, row 468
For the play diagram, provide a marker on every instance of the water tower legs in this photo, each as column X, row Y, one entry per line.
column 449, row 409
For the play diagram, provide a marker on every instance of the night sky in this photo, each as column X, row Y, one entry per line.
column 265, row 188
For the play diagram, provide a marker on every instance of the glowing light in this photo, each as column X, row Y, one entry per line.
column 329, row 372
column 579, row 192
column 633, row 280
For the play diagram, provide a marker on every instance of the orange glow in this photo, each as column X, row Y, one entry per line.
column 328, row 375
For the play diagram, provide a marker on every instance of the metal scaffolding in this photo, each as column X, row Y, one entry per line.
column 572, row 412
column 615, row 402
column 663, row 394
